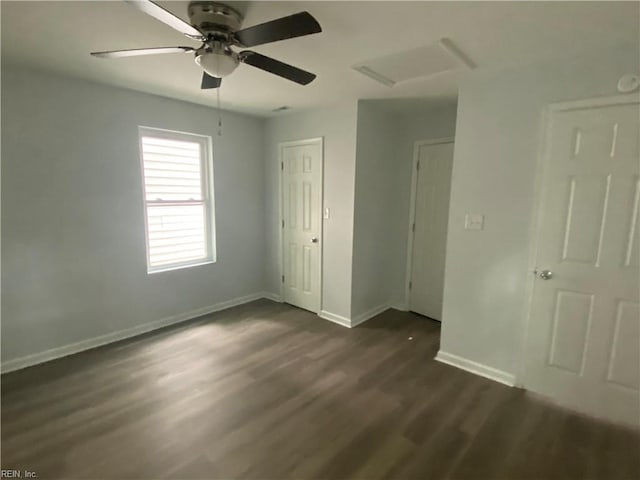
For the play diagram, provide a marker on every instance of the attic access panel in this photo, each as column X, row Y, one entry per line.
column 415, row 63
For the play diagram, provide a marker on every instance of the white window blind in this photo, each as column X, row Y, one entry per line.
column 178, row 207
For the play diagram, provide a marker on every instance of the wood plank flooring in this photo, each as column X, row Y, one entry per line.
column 268, row 391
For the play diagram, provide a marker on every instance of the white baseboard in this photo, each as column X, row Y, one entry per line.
column 403, row 307
column 332, row 317
column 58, row 352
column 363, row 317
column 477, row 368
column 352, row 322
column 272, row 296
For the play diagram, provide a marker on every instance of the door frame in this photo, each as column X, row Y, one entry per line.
column 281, row 146
column 537, row 218
column 412, row 207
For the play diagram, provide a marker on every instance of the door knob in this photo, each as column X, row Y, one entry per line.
column 545, row 274
column 314, row 240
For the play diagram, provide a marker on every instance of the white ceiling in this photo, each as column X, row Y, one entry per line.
column 58, row 36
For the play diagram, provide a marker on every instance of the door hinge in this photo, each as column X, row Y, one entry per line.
column 282, row 166
column 282, row 223
column 282, row 278
column 410, row 285
column 413, row 227
column 418, row 165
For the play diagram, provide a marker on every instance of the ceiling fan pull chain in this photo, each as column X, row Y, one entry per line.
column 219, row 112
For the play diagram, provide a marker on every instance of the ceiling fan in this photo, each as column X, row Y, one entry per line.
column 217, row 26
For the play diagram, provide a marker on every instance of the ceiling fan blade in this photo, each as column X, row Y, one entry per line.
column 141, row 51
column 166, row 17
column 292, row 26
column 276, row 67
column 209, row 82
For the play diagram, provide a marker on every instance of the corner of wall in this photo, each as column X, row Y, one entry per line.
column 476, row 368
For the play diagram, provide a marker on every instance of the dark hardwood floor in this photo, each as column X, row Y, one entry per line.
column 267, row 391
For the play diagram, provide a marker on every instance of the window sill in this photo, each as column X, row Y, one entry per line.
column 179, row 267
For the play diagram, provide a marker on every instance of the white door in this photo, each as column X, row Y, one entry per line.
column 583, row 338
column 433, row 186
column 301, row 168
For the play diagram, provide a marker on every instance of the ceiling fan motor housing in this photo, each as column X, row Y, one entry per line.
column 213, row 18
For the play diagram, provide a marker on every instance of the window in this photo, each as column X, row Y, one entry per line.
column 178, row 199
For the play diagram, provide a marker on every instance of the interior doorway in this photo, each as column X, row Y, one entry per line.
column 429, row 216
column 301, row 170
column 583, row 341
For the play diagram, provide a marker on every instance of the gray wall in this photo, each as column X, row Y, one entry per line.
column 73, row 242
column 387, row 131
column 375, row 233
column 423, row 121
column 337, row 125
column 497, row 140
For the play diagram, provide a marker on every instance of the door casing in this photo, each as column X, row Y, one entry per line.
column 412, row 208
column 281, row 146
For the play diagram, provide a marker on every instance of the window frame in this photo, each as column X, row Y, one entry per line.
column 207, row 189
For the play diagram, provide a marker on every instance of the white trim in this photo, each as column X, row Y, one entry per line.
column 535, row 222
column 281, row 146
column 491, row 373
column 433, row 141
column 357, row 320
column 272, row 296
column 539, row 195
column 595, row 102
column 332, row 317
column 180, row 266
column 363, row 317
column 59, row 352
column 402, row 307
column 412, row 208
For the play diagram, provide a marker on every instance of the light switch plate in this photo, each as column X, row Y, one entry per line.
column 474, row 221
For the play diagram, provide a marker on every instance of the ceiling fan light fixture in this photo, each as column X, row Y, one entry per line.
column 218, row 27
column 217, row 64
